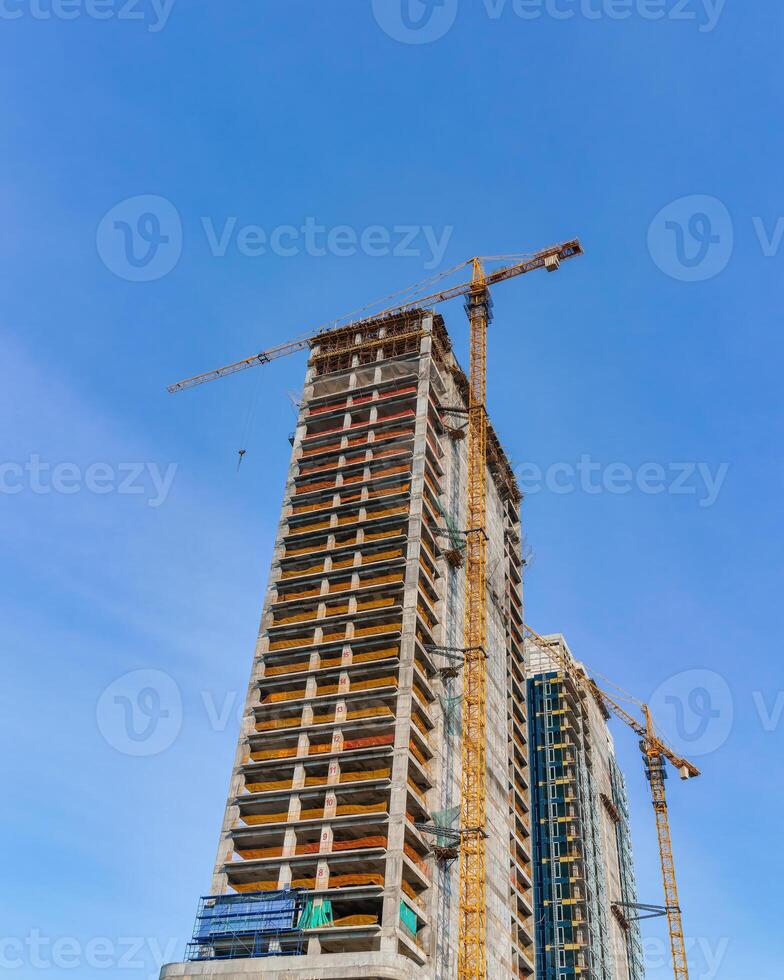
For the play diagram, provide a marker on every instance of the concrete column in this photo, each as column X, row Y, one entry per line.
column 289, row 842
column 330, row 804
column 325, row 841
column 295, row 807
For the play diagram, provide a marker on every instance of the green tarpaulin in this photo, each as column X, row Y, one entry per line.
column 408, row 918
column 316, row 914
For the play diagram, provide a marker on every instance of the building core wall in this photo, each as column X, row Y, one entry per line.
column 350, row 747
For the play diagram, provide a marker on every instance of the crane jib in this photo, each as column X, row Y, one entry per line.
column 539, row 260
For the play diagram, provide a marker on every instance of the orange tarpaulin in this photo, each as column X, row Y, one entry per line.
column 335, row 881
column 355, row 920
column 269, row 785
column 293, row 572
column 297, row 641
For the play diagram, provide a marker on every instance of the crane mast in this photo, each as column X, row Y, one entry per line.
column 471, row 948
column 656, row 774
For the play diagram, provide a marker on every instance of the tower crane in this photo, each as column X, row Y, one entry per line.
column 472, row 938
column 416, row 297
column 655, row 752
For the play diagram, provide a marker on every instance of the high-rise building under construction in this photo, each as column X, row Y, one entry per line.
column 585, row 892
column 339, row 851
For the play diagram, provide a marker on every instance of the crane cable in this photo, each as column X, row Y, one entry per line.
column 250, row 416
column 409, row 291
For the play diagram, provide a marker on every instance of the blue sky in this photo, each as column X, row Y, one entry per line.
column 638, row 390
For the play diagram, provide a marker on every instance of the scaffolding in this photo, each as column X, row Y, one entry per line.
column 550, row 954
column 449, row 814
column 248, row 925
column 572, row 931
column 598, row 930
column 455, row 553
column 628, row 897
column 450, row 707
